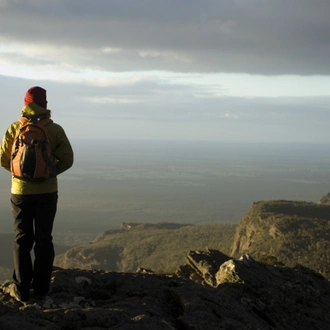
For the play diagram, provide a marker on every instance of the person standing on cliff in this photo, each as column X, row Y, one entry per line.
column 34, row 203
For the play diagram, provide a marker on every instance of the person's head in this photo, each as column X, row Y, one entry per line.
column 36, row 95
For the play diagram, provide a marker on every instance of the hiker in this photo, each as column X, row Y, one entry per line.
column 34, row 199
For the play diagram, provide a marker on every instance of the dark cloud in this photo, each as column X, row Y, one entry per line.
column 252, row 36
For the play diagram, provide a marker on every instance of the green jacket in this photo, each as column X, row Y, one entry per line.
column 61, row 148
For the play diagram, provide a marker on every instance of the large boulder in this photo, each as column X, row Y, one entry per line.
column 202, row 266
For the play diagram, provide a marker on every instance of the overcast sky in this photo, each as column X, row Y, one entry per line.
column 224, row 70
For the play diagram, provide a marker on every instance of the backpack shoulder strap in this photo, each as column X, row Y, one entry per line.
column 41, row 123
column 24, row 121
column 44, row 122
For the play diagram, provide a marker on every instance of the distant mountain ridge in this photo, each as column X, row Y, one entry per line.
column 161, row 247
column 289, row 232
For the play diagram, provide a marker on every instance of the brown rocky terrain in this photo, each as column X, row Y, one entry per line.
column 211, row 291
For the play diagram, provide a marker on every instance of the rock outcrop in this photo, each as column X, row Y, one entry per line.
column 292, row 232
column 217, row 292
column 202, row 267
column 325, row 200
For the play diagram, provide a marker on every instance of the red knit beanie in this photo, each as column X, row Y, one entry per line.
column 36, row 95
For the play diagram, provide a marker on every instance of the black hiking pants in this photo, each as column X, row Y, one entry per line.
column 33, row 224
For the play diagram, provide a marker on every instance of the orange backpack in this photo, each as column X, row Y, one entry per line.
column 31, row 156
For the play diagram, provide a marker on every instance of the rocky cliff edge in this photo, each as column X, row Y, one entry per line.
column 211, row 291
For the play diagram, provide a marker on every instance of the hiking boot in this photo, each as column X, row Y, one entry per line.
column 13, row 291
column 38, row 296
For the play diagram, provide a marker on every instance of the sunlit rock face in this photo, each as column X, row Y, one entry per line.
column 325, row 200
column 292, row 232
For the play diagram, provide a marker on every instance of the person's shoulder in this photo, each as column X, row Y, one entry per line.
column 14, row 127
column 16, row 124
column 55, row 127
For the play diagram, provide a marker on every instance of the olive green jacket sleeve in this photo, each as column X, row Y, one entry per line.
column 6, row 145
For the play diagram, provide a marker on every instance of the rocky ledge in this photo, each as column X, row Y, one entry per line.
column 212, row 291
